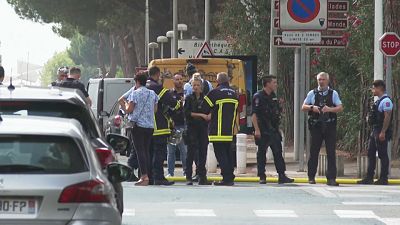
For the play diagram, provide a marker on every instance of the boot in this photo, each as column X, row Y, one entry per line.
column 381, row 181
column 203, row 181
column 366, row 180
column 284, row 179
column 263, row 180
column 332, row 182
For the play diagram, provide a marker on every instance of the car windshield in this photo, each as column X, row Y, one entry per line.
column 52, row 109
column 40, row 154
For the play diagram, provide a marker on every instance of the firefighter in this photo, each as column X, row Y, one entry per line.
column 221, row 106
column 380, row 117
column 265, row 117
column 158, row 146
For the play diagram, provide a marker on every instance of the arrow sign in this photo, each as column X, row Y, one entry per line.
column 338, row 6
column 276, row 5
column 326, row 42
column 333, row 23
column 180, row 51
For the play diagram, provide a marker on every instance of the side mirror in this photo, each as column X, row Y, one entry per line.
column 118, row 142
column 104, row 113
column 118, row 172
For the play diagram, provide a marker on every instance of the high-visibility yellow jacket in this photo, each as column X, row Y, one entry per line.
column 166, row 101
column 222, row 103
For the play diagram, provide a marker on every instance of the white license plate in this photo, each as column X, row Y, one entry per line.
column 18, row 206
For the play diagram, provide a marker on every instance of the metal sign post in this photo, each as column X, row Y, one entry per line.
column 389, row 92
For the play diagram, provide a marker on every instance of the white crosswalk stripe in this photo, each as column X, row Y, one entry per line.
column 390, row 221
column 195, row 212
column 129, row 212
column 373, row 203
column 275, row 213
column 359, row 214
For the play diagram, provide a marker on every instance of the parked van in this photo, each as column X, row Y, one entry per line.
column 104, row 92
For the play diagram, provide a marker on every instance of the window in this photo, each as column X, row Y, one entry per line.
column 40, row 154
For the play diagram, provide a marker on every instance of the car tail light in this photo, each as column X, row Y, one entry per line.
column 105, row 156
column 117, row 121
column 88, row 191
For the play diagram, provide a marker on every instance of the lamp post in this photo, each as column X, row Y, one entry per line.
column 152, row 46
column 170, row 34
column 181, row 28
column 162, row 40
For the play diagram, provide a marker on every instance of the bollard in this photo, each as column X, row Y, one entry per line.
column 241, row 153
column 211, row 159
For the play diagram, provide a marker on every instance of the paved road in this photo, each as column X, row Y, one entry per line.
column 250, row 203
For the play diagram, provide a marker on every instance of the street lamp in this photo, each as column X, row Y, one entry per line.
column 181, row 28
column 152, row 46
column 170, row 34
column 162, row 40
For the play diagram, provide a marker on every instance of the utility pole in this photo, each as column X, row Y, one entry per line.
column 146, row 38
column 273, row 70
column 207, row 21
column 175, row 24
column 378, row 56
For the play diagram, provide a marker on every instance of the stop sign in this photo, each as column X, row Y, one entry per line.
column 389, row 44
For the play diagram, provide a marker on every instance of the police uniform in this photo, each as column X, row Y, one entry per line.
column 158, row 146
column 75, row 84
column 268, row 112
column 222, row 103
column 376, row 118
column 322, row 127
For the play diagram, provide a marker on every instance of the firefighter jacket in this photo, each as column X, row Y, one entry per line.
column 166, row 102
column 222, row 103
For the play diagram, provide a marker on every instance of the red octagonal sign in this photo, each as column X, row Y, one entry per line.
column 389, row 44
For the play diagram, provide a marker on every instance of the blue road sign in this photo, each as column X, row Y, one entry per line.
column 303, row 11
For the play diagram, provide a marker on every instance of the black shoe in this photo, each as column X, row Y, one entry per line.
column 195, row 178
column 332, row 182
column 163, row 182
column 133, row 178
column 284, row 179
column 223, row 183
column 311, row 181
column 366, row 181
column 263, row 180
column 204, row 181
column 124, row 153
column 381, row 181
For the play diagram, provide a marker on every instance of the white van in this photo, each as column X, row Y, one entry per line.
column 104, row 92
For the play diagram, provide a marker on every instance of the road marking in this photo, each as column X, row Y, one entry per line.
column 373, row 203
column 129, row 212
column 390, row 221
column 360, row 214
column 275, row 213
column 322, row 191
column 195, row 212
column 348, row 195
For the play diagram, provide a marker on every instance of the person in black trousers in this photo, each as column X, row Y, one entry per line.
column 141, row 106
column 197, row 134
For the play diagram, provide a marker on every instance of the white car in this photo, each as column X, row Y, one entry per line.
column 49, row 174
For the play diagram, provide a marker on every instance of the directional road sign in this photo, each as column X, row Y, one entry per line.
column 338, row 6
column 326, row 42
column 303, row 14
column 333, row 23
column 301, row 37
column 189, row 48
column 389, row 44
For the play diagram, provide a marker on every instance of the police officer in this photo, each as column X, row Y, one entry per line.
column 322, row 105
column 158, row 146
column 221, row 106
column 73, row 82
column 380, row 119
column 266, row 117
column 62, row 74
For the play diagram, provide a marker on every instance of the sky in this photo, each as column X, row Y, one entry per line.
column 21, row 37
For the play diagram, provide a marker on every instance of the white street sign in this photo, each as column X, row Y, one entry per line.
column 189, row 48
column 303, row 14
column 299, row 37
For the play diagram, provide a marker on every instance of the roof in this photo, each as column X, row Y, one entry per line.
column 37, row 93
column 38, row 125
